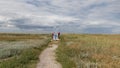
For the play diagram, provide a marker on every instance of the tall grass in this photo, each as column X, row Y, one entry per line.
column 23, row 52
column 89, row 51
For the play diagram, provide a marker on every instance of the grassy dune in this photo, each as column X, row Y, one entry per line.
column 89, row 51
column 21, row 50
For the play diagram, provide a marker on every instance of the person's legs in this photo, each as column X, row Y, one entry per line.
column 57, row 37
column 54, row 37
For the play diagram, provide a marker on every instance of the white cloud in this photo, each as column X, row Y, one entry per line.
column 83, row 13
column 2, row 18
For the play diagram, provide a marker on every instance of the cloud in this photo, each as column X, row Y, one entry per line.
column 78, row 16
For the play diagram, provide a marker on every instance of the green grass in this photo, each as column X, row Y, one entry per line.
column 63, row 55
column 22, row 53
column 23, row 59
column 89, row 51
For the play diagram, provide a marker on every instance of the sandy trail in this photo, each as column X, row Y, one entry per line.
column 48, row 59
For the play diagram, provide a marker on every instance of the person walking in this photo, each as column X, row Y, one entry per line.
column 59, row 35
column 52, row 36
column 55, row 36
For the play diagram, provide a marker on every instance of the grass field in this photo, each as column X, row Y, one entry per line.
column 89, row 51
column 21, row 50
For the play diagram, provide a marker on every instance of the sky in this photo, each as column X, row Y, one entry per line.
column 67, row 16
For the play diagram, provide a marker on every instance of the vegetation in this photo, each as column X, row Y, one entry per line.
column 89, row 51
column 21, row 50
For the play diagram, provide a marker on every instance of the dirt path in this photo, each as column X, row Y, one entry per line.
column 48, row 59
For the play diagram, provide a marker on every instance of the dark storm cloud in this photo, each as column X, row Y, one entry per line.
column 33, row 2
column 23, row 23
column 33, row 27
column 97, row 30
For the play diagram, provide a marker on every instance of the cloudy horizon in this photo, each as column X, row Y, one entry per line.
column 67, row 16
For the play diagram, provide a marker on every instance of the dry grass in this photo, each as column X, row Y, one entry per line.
column 21, row 50
column 91, row 51
column 15, row 37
